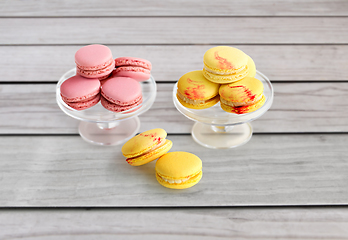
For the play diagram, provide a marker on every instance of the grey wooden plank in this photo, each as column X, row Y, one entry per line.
column 270, row 170
column 174, row 8
column 297, row 107
column 255, row 223
column 178, row 30
column 170, row 62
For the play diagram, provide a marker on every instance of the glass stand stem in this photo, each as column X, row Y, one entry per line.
column 222, row 129
column 113, row 133
column 108, row 125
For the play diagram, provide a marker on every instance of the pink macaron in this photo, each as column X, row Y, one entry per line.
column 94, row 61
column 136, row 68
column 120, row 94
column 80, row 93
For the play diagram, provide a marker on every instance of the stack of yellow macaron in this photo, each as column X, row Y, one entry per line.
column 177, row 170
column 228, row 76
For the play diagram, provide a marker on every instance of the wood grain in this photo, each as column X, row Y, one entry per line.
column 183, row 30
column 76, row 8
column 278, row 62
column 297, row 107
column 201, row 223
column 303, row 41
column 273, row 170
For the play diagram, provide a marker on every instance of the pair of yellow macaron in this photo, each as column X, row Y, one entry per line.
column 177, row 170
column 228, row 76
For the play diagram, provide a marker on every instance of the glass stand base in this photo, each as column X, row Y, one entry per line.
column 218, row 137
column 113, row 133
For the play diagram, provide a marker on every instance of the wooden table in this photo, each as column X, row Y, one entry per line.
column 290, row 181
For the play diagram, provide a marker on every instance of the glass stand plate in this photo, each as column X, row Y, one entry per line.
column 103, row 127
column 215, row 128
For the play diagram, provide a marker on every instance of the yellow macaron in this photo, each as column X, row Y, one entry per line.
column 251, row 67
column 178, row 170
column 196, row 92
column 243, row 96
column 146, row 147
column 223, row 64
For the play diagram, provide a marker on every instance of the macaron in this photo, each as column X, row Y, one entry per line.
column 178, row 170
column 120, row 94
column 243, row 96
column 80, row 93
column 251, row 67
column 136, row 68
column 225, row 64
column 146, row 147
column 196, row 92
column 94, row 61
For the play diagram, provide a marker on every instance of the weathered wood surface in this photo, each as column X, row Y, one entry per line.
column 297, row 107
column 299, row 42
column 201, row 223
column 271, row 169
column 170, row 62
column 74, row 8
column 183, row 30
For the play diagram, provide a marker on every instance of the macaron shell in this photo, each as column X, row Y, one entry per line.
column 78, row 88
column 193, row 181
column 133, row 61
column 251, row 67
column 85, row 104
column 225, row 59
column 178, row 165
column 137, row 73
column 245, row 90
column 93, row 57
column 194, row 85
column 152, row 155
column 244, row 109
column 207, row 104
column 143, row 142
column 121, row 90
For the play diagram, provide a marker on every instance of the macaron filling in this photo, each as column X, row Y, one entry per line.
column 120, row 108
column 80, row 99
column 192, row 101
column 220, row 72
column 102, row 66
column 225, row 77
column 162, row 141
column 244, row 109
column 104, row 70
column 154, row 150
column 121, row 103
column 240, row 104
column 130, row 61
column 171, row 180
column 132, row 69
column 84, row 104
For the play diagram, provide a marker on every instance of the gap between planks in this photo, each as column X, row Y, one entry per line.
column 169, row 134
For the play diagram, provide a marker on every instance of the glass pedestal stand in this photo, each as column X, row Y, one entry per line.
column 215, row 128
column 103, row 127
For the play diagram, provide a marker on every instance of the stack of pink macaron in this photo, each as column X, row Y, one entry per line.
column 100, row 77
